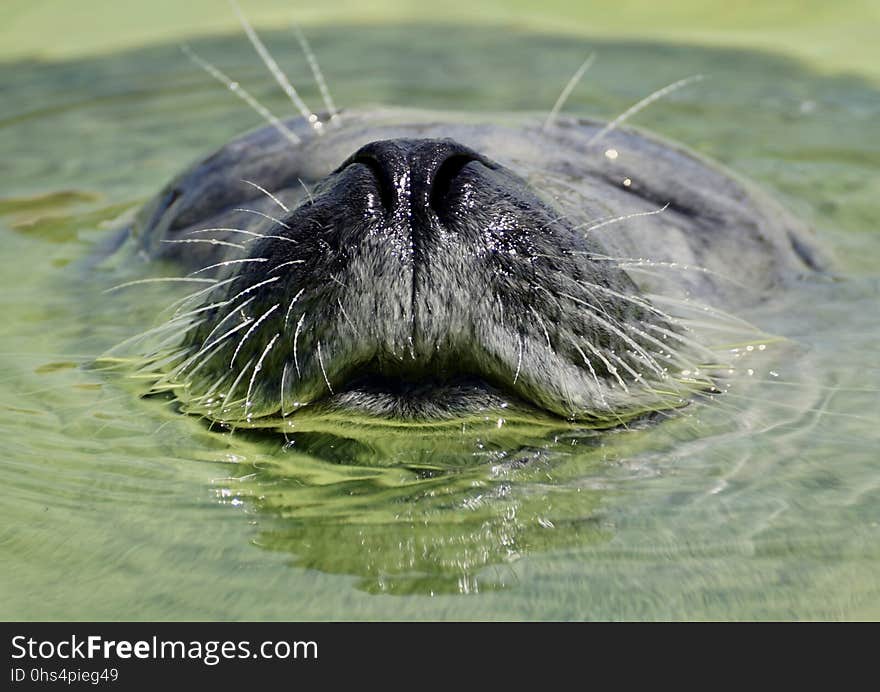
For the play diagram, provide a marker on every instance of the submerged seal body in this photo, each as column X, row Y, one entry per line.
column 417, row 266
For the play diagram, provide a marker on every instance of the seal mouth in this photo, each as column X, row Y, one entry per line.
column 428, row 398
column 420, row 281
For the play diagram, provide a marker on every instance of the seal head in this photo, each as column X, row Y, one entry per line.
column 421, row 280
column 417, row 278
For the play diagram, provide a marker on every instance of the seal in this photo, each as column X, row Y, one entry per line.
column 421, row 266
column 415, row 265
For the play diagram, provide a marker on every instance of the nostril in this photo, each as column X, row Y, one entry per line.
column 446, row 174
column 384, row 182
column 414, row 175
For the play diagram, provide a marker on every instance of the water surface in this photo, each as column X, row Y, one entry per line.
column 762, row 504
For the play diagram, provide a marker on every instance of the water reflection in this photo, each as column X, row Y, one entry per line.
column 426, row 512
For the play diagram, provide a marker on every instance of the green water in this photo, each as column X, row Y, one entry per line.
column 763, row 504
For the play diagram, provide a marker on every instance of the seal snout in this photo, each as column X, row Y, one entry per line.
column 414, row 177
column 419, row 280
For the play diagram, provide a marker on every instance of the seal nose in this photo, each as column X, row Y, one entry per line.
column 414, row 176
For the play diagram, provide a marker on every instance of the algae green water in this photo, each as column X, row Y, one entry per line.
column 764, row 503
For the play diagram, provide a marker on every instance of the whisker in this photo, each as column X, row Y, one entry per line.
column 592, row 226
column 640, row 262
column 250, row 331
column 254, row 287
column 295, row 338
column 308, row 192
column 637, row 376
column 681, row 338
column 290, row 307
column 252, row 234
column 154, row 365
column 646, row 268
column 518, row 360
column 691, row 323
column 635, row 300
column 165, row 326
column 283, row 387
column 323, row 371
column 566, row 91
column 647, row 306
column 267, row 193
column 347, row 318
column 276, row 71
column 610, row 368
column 234, row 385
column 318, row 75
column 207, row 241
column 593, row 373
column 159, row 280
column 699, row 307
column 236, row 89
column 641, row 105
column 180, row 369
column 265, row 216
column 179, row 303
column 286, row 264
column 232, row 312
column 203, row 308
column 227, row 263
column 213, row 388
column 619, row 332
column 554, row 220
column 543, row 326
column 227, row 334
column 673, row 352
column 247, row 397
column 206, row 348
column 162, row 346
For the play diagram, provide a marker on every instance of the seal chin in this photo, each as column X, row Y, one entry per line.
column 421, row 280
